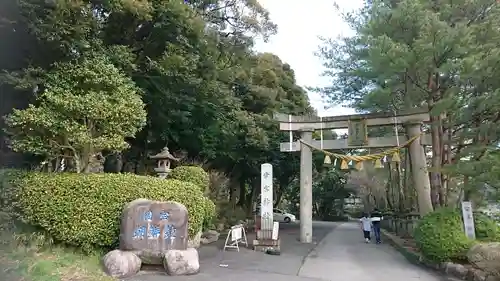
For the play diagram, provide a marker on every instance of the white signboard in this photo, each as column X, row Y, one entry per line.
column 266, row 197
column 235, row 236
column 276, row 229
column 468, row 219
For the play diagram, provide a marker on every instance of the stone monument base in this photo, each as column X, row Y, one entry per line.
column 181, row 262
column 122, row 264
column 263, row 245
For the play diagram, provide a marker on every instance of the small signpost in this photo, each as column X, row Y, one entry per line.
column 236, row 236
column 276, row 229
column 468, row 218
column 357, row 133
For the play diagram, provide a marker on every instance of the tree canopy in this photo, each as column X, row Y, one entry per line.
column 122, row 79
column 439, row 54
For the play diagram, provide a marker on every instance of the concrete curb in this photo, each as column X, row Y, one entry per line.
column 452, row 270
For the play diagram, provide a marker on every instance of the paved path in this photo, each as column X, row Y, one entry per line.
column 341, row 255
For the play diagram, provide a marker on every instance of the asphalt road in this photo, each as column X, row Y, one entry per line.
column 338, row 253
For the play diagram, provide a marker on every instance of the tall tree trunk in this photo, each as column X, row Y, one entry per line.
column 400, row 188
column 243, row 192
column 316, row 211
column 255, row 187
column 435, row 173
column 408, row 188
column 77, row 163
column 466, row 190
column 436, row 135
column 388, row 190
column 283, row 184
column 394, row 186
column 447, row 158
column 113, row 163
column 233, row 188
column 406, row 181
column 279, row 196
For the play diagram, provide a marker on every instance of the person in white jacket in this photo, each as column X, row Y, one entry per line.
column 366, row 226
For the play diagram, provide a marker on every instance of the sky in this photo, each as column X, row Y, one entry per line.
column 300, row 23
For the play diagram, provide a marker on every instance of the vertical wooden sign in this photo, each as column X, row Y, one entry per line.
column 357, row 133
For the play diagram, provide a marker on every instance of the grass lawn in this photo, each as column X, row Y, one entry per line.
column 26, row 255
column 54, row 264
column 39, row 262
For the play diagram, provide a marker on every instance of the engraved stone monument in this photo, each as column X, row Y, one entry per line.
column 154, row 232
column 149, row 228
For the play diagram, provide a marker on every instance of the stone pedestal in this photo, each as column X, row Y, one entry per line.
column 181, row 262
column 121, row 264
column 264, row 234
column 263, row 245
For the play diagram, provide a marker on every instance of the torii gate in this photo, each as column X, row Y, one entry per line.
column 306, row 125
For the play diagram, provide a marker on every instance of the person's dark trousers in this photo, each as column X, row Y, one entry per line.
column 366, row 234
column 376, row 231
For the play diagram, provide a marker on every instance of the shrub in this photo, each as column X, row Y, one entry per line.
column 85, row 209
column 218, row 185
column 10, row 212
column 440, row 236
column 210, row 213
column 230, row 215
column 192, row 174
column 197, row 176
column 487, row 229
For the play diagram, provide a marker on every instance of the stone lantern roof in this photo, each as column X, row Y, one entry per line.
column 164, row 155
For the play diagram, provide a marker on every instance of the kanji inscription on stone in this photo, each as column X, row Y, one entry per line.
column 266, row 196
column 266, row 202
column 154, row 226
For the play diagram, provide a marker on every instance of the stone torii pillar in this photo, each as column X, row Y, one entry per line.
column 419, row 171
column 305, row 125
column 306, row 199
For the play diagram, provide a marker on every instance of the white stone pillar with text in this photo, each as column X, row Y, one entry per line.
column 266, row 200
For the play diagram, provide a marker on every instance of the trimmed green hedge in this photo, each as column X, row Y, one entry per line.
column 10, row 211
column 196, row 175
column 84, row 209
column 192, row 174
column 440, row 234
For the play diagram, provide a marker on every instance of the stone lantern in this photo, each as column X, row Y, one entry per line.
column 164, row 158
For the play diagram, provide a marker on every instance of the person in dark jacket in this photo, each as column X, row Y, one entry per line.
column 376, row 218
